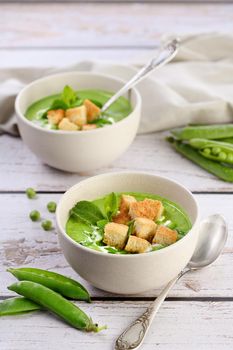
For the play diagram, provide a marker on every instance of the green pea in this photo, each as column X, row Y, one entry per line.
column 206, row 151
column 30, row 192
column 230, row 158
column 222, row 156
column 47, row 225
column 34, row 215
column 56, row 303
column 216, row 150
column 52, row 206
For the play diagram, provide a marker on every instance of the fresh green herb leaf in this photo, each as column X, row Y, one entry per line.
column 97, row 103
column 101, row 223
column 58, row 104
column 87, row 212
column 68, row 95
column 158, row 247
column 111, row 205
column 101, row 122
column 130, row 229
column 77, row 103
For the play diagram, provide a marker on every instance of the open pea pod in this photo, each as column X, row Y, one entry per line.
column 220, row 170
column 214, row 150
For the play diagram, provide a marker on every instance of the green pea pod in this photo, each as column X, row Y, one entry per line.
column 59, row 283
column 228, row 140
column 18, row 305
column 215, row 150
column 223, row 172
column 203, row 143
column 55, row 303
column 210, row 132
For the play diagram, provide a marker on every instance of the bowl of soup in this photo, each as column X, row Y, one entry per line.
column 127, row 233
column 60, row 120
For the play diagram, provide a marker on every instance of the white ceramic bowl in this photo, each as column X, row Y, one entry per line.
column 127, row 274
column 71, row 150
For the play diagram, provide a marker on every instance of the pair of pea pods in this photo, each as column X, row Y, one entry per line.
column 41, row 289
column 209, row 146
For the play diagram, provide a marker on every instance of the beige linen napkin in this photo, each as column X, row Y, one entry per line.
column 196, row 87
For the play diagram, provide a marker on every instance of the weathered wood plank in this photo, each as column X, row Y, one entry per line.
column 83, row 25
column 150, row 153
column 23, row 242
column 202, row 326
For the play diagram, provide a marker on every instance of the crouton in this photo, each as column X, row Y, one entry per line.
column 55, row 116
column 93, row 111
column 144, row 228
column 66, row 125
column 164, row 235
column 89, row 127
column 115, row 235
column 137, row 245
column 123, row 216
column 148, row 208
column 77, row 115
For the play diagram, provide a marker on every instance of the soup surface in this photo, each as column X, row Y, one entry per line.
column 80, row 109
column 127, row 223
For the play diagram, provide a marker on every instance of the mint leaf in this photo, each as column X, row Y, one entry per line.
column 88, row 212
column 77, row 103
column 97, row 103
column 68, row 95
column 101, row 223
column 111, row 205
column 59, row 104
column 101, row 122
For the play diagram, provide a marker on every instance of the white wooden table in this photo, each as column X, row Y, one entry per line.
column 199, row 311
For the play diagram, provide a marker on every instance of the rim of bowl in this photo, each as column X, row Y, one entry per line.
column 126, row 256
column 20, row 115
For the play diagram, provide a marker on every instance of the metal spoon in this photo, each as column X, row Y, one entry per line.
column 212, row 238
column 165, row 54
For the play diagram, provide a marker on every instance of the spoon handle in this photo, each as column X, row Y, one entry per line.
column 165, row 54
column 133, row 336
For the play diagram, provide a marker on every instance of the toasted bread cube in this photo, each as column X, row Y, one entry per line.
column 123, row 217
column 126, row 200
column 93, row 111
column 115, row 235
column 77, row 115
column 89, row 127
column 148, row 208
column 144, row 228
column 55, row 116
column 164, row 235
column 137, row 245
column 66, row 125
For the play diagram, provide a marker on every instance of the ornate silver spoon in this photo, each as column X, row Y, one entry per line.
column 165, row 54
column 212, row 238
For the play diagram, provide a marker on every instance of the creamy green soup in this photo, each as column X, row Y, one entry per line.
column 116, row 112
column 87, row 220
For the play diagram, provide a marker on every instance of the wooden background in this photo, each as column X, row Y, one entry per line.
column 198, row 312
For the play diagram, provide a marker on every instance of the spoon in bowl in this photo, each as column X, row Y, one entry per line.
column 165, row 54
column 212, row 238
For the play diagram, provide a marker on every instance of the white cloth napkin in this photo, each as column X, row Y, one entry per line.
column 196, row 87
